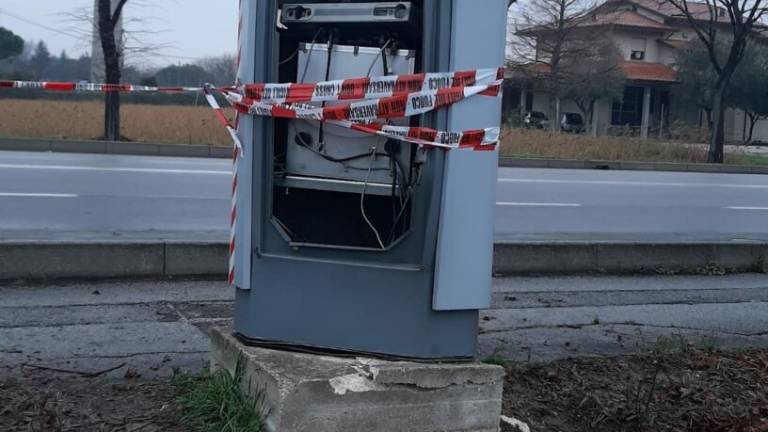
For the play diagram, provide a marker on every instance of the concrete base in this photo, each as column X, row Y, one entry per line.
column 316, row 393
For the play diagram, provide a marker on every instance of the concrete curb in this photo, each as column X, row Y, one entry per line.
column 98, row 260
column 191, row 150
column 114, row 147
column 629, row 258
column 512, row 162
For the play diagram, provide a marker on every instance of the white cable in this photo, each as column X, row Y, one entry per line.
column 378, row 57
column 362, row 199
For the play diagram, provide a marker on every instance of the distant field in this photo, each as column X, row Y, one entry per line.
column 84, row 120
column 536, row 143
column 198, row 125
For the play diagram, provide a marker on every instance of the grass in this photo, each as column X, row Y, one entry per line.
column 756, row 160
column 536, row 144
column 216, row 402
column 84, row 120
column 496, row 360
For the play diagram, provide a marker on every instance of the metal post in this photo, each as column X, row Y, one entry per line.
column 646, row 113
column 594, row 119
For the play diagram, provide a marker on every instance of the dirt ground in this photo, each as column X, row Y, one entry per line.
column 46, row 401
column 692, row 391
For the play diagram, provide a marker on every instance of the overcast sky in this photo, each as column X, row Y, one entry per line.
column 190, row 28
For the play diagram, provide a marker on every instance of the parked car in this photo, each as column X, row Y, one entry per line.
column 572, row 122
column 536, row 119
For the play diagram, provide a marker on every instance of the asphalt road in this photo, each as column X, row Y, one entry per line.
column 79, row 196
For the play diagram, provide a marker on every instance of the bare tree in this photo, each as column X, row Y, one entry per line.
column 108, row 20
column 695, row 77
column 594, row 77
column 738, row 19
column 749, row 90
column 222, row 68
column 548, row 33
column 115, row 43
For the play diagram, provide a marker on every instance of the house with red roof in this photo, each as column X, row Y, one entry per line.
column 648, row 35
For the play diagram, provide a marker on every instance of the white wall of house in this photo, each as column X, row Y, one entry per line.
column 737, row 127
column 602, row 110
column 734, row 125
column 541, row 102
column 667, row 54
column 628, row 41
column 761, row 131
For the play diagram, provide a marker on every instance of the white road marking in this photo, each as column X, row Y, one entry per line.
column 633, row 183
column 135, row 170
column 748, row 208
column 35, row 195
column 523, row 204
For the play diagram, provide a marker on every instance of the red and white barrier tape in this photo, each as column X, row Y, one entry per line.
column 89, row 87
column 214, row 104
column 236, row 152
column 379, row 98
column 368, row 88
column 476, row 139
column 365, row 111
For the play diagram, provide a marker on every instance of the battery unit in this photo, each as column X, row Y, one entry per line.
column 346, row 12
column 311, row 155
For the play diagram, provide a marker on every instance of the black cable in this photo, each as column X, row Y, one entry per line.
column 395, row 174
column 304, row 144
column 399, row 217
column 383, row 48
column 292, row 56
column 309, row 55
column 384, row 61
column 321, row 134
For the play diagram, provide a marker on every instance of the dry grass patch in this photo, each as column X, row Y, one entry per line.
column 690, row 391
column 84, row 119
column 177, row 124
column 536, row 143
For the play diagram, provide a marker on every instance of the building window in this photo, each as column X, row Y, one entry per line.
column 630, row 110
column 637, row 49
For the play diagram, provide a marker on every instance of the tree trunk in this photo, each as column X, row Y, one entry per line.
column 752, row 122
column 717, row 133
column 554, row 121
column 112, row 116
column 111, row 70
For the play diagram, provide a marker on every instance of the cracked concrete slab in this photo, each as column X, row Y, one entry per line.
column 306, row 392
